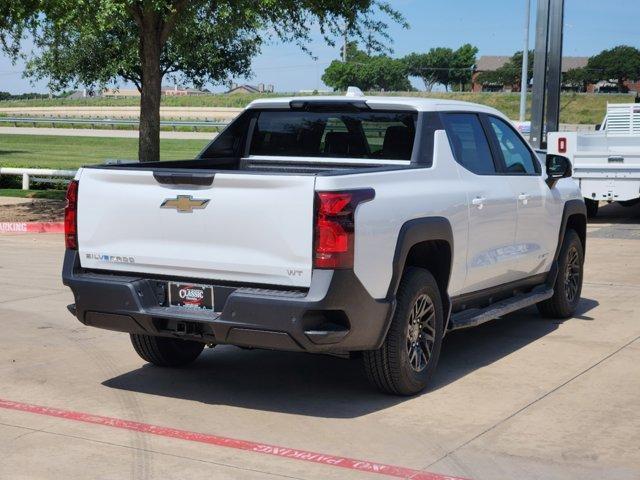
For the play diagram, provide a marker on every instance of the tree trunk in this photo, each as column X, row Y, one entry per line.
column 151, row 83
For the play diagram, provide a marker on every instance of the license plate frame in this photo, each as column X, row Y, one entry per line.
column 191, row 296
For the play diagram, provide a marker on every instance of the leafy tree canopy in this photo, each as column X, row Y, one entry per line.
column 443, row 65
column 510, row 73
column 579, row 78
column 98, row 42
column 620, row 64
column 367, row 72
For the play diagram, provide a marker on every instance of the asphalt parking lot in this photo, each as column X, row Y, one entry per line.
column 519, row 398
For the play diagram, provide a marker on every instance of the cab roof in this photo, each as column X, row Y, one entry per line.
column 380, row 103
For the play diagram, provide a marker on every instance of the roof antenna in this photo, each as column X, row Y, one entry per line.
column 354, row 92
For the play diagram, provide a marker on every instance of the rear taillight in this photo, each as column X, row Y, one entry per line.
column 335, row 223
column 562, row 145
column 71, row 217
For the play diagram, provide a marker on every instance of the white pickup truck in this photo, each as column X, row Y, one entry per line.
column 606, row 163
column 360, row 226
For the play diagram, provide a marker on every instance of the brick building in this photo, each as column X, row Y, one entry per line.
column 490, row 63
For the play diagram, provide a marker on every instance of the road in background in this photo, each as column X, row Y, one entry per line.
column 90, row 132
column 187, row 113
column 518, row 398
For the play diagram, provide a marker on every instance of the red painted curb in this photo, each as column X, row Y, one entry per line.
column 265, row 449
column 31, row 227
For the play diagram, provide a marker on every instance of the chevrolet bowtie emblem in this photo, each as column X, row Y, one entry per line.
column 185, row 203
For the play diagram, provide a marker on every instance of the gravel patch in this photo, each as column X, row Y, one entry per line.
column 34, row 211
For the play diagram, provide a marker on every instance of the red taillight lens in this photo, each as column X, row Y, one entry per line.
column 334, row 232
column 562, row 145
column 71, row 217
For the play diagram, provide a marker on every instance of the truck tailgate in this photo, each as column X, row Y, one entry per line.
column 254, row 228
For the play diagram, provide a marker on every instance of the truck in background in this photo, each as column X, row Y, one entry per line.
column 606, row 163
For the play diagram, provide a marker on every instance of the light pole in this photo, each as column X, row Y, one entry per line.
column 524, row 83
column 547, row 71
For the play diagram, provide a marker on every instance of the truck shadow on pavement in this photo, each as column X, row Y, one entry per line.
column 616, row 213
column 324, row 386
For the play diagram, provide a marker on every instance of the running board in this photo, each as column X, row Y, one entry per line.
column 476, row 316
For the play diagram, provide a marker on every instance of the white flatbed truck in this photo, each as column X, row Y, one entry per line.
column 606, row 163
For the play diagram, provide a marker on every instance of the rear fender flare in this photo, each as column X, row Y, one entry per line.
column 412, row 233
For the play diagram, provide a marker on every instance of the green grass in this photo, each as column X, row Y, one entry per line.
column 575, row 107
column 212, row 100
column 16, row 192
column 45, row 151
column 99, row 126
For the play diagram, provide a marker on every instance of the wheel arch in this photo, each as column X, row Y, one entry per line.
column 425, row 243
column 574, row 217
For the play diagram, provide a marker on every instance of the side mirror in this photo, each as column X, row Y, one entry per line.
column 557, row 167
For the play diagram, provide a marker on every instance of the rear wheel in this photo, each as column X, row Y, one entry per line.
column 568, row 286
column 408, row 357
column 592, row 207
column 164, row 351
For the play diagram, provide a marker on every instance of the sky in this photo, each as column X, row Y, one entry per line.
column 496, row 27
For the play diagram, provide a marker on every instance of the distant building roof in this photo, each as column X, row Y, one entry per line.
column 77, row 95
column 243, row 89
column 489, row 63
column 569, row 63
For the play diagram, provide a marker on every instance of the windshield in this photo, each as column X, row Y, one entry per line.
column 368, row 135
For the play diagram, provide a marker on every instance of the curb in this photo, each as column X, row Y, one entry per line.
column 31, row 227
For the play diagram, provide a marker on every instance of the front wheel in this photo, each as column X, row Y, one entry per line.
column 407, row 359
column 165, row 351
column 568, row 286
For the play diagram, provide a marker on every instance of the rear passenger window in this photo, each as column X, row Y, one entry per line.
column 469, row 142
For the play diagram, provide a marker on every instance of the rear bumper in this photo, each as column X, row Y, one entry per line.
column 611, row 187
column 335, row 315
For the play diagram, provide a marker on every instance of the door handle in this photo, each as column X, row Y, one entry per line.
column 478, row 202
column 524, row 198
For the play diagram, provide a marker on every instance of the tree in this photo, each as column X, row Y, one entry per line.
column 620, row 64
column 510, row 73
column 464, row 60
column 432, row 67
column 578, row 78
column 377, row 72
column 443, row 65
column 97, row 43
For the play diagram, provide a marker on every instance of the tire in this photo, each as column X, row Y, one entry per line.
column 568, row 286
column 592, row 207
column 407, row 359
column 164, row 351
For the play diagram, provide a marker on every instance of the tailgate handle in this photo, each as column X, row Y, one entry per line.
column 173, row 178
column 616, row 159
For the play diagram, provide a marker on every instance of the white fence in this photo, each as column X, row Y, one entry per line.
column 37, row 174
column 93, row 122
